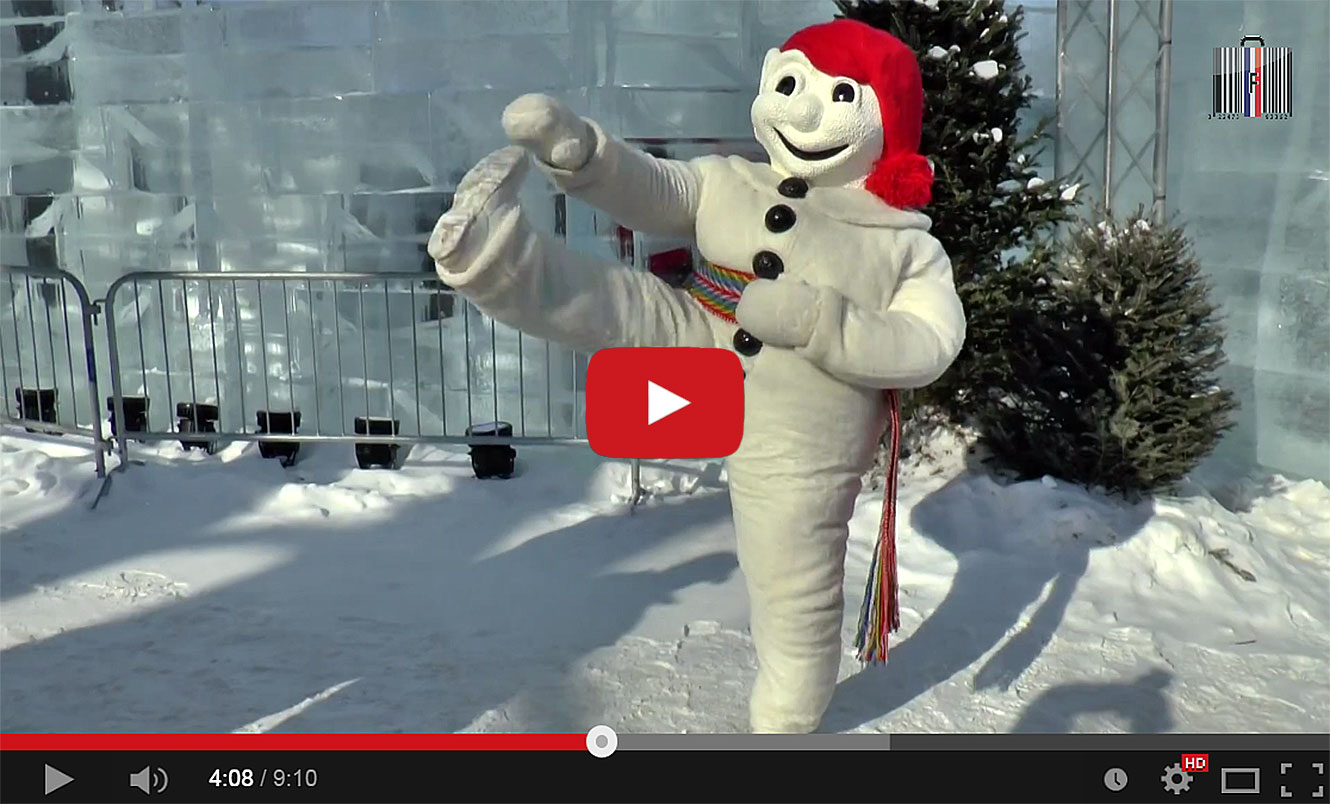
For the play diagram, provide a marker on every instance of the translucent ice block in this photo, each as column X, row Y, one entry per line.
column 1295, row 327
column 129, row 79
column 311, row 72
column 112, row 35
column 721, row 18
column 280, row 254
column 708, row 62
column 32, row 82
column 41, row 38
column 1292, row 420
column 397, row 215
column 53, row 174
column 130, row 214
column 275, row 217
column 398, row 21
column 520, row 63
column 1237, row 293
column 674, row 113
column 36, row 133
column 309, row 23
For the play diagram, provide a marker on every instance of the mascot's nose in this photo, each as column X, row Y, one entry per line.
column 805, row 112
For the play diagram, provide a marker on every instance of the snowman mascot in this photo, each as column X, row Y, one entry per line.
column 816, row 271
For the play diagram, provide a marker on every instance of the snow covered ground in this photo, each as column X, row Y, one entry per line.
column 225, row 593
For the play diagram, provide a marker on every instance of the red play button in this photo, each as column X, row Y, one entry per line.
column 663, row 402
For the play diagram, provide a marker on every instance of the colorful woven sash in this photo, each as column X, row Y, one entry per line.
column 718, row 290
column 881, row 611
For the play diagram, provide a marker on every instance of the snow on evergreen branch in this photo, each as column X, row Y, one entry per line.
column 987, row 69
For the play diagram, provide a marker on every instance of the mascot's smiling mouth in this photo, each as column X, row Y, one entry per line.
column 812, row 156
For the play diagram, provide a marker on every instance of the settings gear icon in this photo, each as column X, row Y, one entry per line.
column 1175, row 779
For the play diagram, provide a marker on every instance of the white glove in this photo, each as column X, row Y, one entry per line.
column 779, row 312
column 551, row 131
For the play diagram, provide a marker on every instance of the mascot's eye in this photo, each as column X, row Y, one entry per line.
column 843, row 93
column 786, row 85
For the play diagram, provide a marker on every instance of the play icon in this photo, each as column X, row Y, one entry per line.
column 664, row 402
column 661, row 403
column 56, row 779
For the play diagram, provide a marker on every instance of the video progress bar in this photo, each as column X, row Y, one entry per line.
column 973, row 742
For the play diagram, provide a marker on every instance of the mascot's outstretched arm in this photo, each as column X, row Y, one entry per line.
column 485, row 248
column 908, row 344
column 656, row 196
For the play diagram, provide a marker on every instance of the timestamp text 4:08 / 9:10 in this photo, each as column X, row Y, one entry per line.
column 264, row 777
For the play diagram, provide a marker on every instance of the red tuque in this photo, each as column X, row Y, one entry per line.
column 852, row 49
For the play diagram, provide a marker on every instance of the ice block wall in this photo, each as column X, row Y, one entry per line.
column 1255, row 196
column 293, row 136
column 296, row 136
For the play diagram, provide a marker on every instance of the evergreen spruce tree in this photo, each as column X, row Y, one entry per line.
column 1108, row 376
column 989, row 203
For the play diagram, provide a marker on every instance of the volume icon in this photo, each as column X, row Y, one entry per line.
column 150, row 780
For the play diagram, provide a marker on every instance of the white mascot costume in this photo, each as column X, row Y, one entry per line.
column 816, row 272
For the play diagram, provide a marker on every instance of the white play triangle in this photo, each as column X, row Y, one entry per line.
column 661, row 403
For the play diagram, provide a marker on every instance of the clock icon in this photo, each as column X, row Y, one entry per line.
column 1115, row 779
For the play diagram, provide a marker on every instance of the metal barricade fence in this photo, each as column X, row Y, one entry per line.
column 48, row 363
column 392, row 358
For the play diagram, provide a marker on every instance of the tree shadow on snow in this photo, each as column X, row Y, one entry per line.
column 1001, row 570
column 1140, row 703
column 420, row 614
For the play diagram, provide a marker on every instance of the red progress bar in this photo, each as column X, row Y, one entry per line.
column 293, row 742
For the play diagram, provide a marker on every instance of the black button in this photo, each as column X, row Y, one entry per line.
column 779, row 218
column 745, row 344
column 767, row 264
column 793, row 187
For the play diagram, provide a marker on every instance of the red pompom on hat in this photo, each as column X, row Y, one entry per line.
column 852, row 49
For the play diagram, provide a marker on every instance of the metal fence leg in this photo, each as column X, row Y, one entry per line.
column 635, row 472
column 100, row 443
column 90, row 355
column 119, row 437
